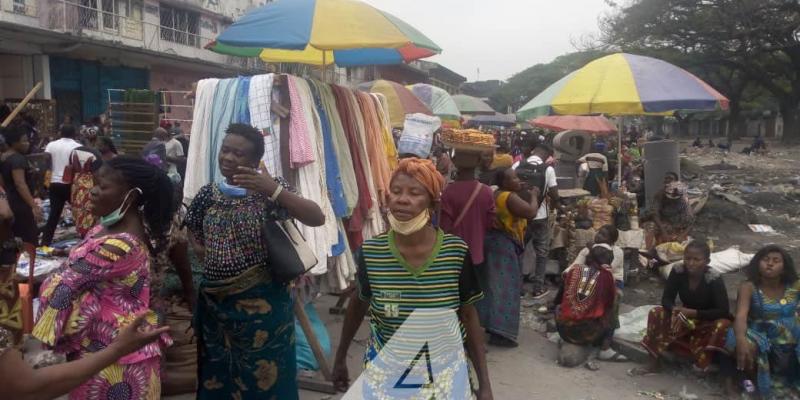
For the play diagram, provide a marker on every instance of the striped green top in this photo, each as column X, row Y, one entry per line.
column 394, row 289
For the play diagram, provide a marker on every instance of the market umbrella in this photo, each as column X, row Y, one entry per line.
column 591, row 124
column 624, row 84
column 438, row 100
column 496, row 119
column 472, row 105
column 401, row 100
column 321, row 32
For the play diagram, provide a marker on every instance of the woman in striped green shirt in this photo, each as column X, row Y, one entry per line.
column 418, row 286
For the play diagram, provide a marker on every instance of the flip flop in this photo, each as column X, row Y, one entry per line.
column 639, row 371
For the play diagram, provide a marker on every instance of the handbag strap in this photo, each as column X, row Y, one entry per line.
column 467, row 206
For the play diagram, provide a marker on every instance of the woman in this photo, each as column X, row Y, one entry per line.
column 105, row 281
column 83, row 162
column 672, row 215
column 21, row 382
column 15, row 171
column 698, row 327
column 414, row 270
column 244, row 320
column 467, row 209
column 106, row 148
column 502, row 274
column 585, row 301
column 766, row 333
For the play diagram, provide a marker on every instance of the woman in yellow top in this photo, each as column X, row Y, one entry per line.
column 502, row 273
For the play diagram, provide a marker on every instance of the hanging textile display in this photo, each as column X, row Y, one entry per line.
column 334, row 143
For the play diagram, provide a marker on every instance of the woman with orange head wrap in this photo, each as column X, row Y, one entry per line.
column 415, row 267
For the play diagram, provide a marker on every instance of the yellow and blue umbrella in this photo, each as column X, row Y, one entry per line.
column 624, row 84
column 321, row 32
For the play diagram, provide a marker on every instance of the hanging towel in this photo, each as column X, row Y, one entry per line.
column 221, row 117
column 386, row 128
column 341, row 148
column 300, row 151
column 241, row 110
column 333, row 178
column 200, row 138
column 260, row 103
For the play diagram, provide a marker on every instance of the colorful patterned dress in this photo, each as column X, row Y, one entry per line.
column 773, row 327
column 696, row 338
column 244, row 321
column 83, row 161
column 103, row 285
column 501, row 273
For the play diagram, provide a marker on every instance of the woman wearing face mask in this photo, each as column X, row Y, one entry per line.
column 105, row 281
column 244, row 320
column 405, row 276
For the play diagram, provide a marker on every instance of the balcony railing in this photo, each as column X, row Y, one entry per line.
column 20, row 7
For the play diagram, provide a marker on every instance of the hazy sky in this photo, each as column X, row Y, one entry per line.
column 501, row 37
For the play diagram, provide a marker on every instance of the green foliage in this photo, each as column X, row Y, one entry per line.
column 525, row 85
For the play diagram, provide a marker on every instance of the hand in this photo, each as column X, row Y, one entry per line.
column 38, row 215
column 134, row 336
column 485, row 394
column 744, row 355
column 340, row 376
column 255, row 181
column 535, row 192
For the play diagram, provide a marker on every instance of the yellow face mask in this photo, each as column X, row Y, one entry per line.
column 411, row 226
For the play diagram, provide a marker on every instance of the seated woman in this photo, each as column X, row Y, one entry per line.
column 414, row 270
column 766, row 333
column 671, row 216
column 697, row 328
column 585, row 301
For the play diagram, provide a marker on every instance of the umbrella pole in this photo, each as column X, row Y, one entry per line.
column 324, row 66
column 620, row 128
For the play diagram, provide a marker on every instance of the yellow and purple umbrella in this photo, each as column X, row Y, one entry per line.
column 401, row 100
column 321, row 32
column 624, row 84
column 438, row 100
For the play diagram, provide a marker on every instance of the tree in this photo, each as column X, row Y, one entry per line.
column 525, row 85
column 748, row 41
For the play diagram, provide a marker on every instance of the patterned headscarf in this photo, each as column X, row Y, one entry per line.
column 423, row 171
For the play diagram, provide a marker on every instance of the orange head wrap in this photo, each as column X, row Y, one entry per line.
column 423, row 171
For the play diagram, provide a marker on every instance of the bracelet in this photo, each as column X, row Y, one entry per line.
column 276, row 193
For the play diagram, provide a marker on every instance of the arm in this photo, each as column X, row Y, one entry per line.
column 744, row 359
column 670, row 291
column 6, row 217
column 524, row 209
column 179, row 255
column 721, row 308
column 475, row 347
column 22, row 187
column 552, row 187
column 356, row 311
column 303, row 210
column 20, row 381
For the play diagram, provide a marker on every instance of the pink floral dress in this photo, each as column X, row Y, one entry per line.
column 103, row 285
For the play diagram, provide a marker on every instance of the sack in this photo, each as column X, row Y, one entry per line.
column 417, row 136
column 533, row 175
column 288, row 254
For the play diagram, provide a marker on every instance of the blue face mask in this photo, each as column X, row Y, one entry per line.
column 230, row 190
column 115, row 216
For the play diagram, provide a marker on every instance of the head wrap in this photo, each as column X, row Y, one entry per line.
column 423, row 171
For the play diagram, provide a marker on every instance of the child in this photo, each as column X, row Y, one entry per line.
column 697, row 328
column 766, row 332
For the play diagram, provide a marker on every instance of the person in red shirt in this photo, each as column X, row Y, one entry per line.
column 585, row 301
column 468, row 206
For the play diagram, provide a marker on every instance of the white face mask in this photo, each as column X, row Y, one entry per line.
column 411, row 226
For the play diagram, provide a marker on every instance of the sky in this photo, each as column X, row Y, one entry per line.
column 499, row 37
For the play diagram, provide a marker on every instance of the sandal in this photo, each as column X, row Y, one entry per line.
column 591, row 366
column 611, row 355
column 641, row 371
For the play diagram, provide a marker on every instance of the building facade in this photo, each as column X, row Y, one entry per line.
column 89, row 52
